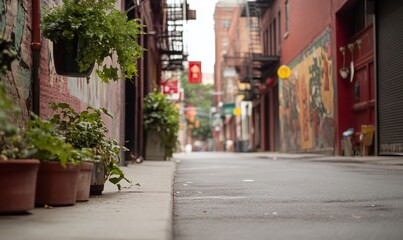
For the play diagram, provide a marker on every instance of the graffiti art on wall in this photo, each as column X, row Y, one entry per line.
column 307, row 100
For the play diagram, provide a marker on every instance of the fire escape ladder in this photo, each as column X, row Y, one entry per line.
column 258, row 66
column 251, row 67
column 171, row 38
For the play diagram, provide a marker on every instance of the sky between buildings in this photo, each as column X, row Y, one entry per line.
column 199, row 34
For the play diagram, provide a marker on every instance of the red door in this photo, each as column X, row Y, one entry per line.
column 362, row 84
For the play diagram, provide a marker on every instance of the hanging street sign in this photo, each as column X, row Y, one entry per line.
column 237, row 111
column 169, row 86
column 195, row 73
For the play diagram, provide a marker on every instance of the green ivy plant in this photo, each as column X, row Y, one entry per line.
column 160, row 115
column 86, row 129
column 7, row 55
column 12, row 145
column 39, row 140
column 47, row 144
column 103, row 31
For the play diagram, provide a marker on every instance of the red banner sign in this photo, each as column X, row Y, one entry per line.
column 195, row 73
column 170, row 86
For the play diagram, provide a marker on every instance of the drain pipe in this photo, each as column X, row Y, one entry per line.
column 36, row 54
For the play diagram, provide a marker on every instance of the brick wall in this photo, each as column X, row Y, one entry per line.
column 15, row 23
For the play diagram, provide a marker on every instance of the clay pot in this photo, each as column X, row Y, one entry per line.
column 18, row 182
column 84, row 182
column 56, row 185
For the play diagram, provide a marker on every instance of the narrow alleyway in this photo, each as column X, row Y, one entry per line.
column 242, row 196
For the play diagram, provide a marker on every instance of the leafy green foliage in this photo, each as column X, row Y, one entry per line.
column 7, row 54
column 199, row 96
column 47, row 144
column 11, row 143
column 103, row 31
column 87, row 130
column 160, row 115
column 39, row 140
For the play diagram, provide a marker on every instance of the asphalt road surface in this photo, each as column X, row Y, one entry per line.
column 239, row 196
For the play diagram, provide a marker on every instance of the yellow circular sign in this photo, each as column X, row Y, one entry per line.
column 284, row 72
column 237, row 111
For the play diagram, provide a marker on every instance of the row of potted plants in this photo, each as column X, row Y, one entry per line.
column 52, row 161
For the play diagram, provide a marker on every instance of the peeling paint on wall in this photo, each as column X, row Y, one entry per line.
column 13, row 26
column 24, row 79
column 19, row 26
column 307, row 101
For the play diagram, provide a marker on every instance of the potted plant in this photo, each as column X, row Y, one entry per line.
column 161, row 121
column 17, row 173
column 86, row 129
column 58, row 173
column 88, row 31
column 51, row 180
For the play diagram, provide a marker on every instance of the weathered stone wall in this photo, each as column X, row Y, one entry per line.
column 15, row 23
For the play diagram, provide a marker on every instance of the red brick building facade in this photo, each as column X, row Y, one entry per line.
column 311, row 109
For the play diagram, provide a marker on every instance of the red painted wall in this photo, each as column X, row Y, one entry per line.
column 307, row 20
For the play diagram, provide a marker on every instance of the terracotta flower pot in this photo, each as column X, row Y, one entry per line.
column 84, row 182
column 18, row 182
column 56, row 186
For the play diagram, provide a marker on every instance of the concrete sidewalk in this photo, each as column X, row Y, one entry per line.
column 387, row 161
column 134, row 213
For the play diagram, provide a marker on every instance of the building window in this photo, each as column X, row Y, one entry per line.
column 361, row 19
column 286, row 16
column 224, row 42
column 225, row 23
column 279, row 29
column 227, row 10
column 270, row 40
column 266, row 42
column 274, row 37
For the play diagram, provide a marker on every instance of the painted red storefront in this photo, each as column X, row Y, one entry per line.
column 307, row 23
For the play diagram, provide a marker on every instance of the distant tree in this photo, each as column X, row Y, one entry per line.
column 198, row 96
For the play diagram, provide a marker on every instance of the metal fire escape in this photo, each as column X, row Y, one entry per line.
column 258, row 66
column 170, row 43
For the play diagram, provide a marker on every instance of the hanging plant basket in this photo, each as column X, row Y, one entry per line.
column 106, row 32
column 65, row 54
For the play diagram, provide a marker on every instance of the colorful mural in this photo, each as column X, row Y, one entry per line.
column 307, row 101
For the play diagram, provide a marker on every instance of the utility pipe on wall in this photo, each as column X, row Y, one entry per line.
column 36, row 53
